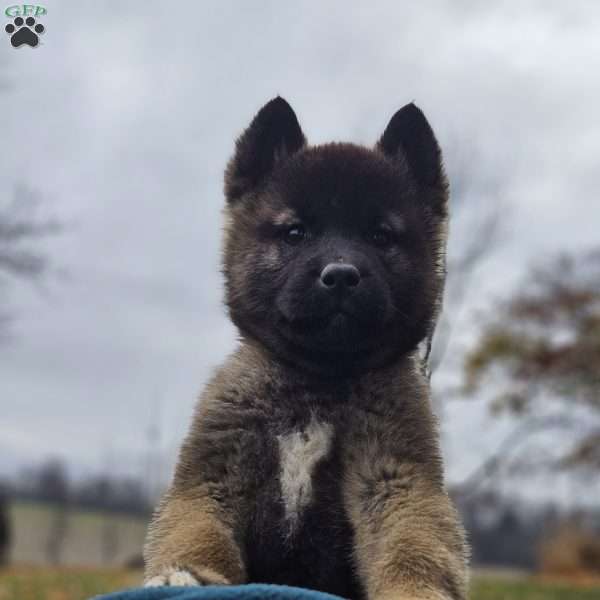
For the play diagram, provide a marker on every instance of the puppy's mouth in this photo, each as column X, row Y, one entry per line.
column 334, row 330
column 336, row 316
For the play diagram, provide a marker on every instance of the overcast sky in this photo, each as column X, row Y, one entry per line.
column 125, row 115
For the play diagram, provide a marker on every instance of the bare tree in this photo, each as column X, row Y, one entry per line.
column 21, row 229
column 53, row 487
column 485, row 240
column 5, row 526
column 542, row 350
column 479, row 211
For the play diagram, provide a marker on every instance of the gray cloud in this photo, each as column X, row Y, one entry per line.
column 126, row 115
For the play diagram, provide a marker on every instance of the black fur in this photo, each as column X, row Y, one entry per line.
column 273, row 134
column 334, row 348
column 341, row 194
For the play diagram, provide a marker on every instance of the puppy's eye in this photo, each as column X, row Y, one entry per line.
column 294, row 234
column 381, row 237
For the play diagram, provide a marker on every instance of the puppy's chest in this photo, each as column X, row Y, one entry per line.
column 301, row 454
column 299, row 533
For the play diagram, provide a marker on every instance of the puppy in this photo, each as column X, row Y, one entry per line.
column 313, row 458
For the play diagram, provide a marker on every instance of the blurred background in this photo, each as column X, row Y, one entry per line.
column 115, row 133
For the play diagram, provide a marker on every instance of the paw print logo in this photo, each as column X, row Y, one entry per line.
column 24, row 32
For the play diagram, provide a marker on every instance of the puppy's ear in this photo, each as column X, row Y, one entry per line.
column 273, row 135
column 409, row 137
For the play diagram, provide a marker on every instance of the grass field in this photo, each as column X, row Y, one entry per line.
column 63, row 584
column 82, row 584
column 493, row 589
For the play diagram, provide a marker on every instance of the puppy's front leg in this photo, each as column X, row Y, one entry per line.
column 408, row 541
column 191, row 542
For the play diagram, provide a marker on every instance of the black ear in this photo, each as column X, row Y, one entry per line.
column 409, row 136
column 273, row 134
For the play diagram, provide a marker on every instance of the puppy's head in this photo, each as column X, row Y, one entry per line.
column 334, row 254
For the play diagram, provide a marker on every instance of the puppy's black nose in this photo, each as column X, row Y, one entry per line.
column 339, row 276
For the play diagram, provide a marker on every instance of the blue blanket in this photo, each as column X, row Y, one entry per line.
column 253, row 591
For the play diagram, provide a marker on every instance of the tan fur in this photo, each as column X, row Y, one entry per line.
column 309, row 462
column 189, row 534
column 408, row 541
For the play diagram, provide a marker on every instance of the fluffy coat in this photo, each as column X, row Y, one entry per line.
column 313, row 458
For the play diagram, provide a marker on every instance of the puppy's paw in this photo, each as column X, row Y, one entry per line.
column 180, row 577
column 172, row 577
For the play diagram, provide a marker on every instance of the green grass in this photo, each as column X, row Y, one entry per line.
column 492, row 589
column 63, row 584
column 81, row 584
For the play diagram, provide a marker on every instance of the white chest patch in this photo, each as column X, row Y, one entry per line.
column 299, row 453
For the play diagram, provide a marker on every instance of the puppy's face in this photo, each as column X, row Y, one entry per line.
column 334, row 254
